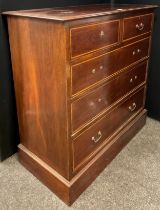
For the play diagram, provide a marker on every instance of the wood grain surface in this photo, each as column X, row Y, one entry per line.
column 40, row 87
column 79, row 101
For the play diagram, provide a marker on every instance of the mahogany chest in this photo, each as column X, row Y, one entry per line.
column 80, row 83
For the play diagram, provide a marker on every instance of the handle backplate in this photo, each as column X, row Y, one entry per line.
column 97, row 138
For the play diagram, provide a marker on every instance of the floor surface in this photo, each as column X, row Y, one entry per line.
column 130, row 182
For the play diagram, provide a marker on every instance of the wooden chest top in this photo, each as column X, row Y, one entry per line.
column 79, row 12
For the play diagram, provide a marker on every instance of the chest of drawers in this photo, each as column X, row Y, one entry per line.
column 80, row 83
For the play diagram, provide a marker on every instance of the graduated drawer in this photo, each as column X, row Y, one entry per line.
column 87, row 107
column 88, row 73
column 135, row 26
column 88, row 38
column 85, row 144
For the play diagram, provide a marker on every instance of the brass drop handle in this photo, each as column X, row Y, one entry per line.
column 132, row 107
column 101, row 34
column 136, row 51
column 131, row 80
column 97, row 138
column 99, row 100
column 93, row 71
column 140, row 26
column 135, row 77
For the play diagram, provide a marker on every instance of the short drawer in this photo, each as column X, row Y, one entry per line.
column 87, row 107
column 85, row 145
column 88, row 38
column 88, row 73
column 135, row 26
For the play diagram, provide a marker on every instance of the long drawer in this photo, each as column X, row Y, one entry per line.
column 88, row 38
column 88, row 73
column 87, row 107
column 85, row 144
column 135, row 26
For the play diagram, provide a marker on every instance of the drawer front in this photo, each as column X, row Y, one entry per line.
column 92, row 71
column 136, row 26
column 85, row 144
column 87, row 107
column 92, row 37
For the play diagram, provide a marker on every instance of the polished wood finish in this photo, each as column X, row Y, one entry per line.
column 88, row 38
column 105, row 66
column 37, row 107
column 136, row 26
column 73, row 124
column 70, row 191
column 43, row 172
column 84, row 146
column 103, row 97
column 81, row 12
